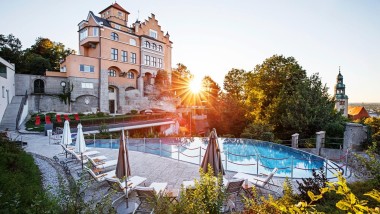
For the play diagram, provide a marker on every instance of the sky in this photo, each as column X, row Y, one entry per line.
column 212, row 37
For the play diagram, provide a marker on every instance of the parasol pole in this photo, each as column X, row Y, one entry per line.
column 125, row 167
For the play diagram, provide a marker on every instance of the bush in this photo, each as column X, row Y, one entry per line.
column 313, row 184
column 133, row 112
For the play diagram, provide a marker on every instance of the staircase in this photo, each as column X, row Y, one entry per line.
column 9, row 119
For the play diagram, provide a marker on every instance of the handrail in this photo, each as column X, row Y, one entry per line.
column 21, row 109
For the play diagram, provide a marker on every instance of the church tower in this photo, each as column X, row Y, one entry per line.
column 341, row 99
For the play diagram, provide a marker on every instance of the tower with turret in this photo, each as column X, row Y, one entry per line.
column 341, row 99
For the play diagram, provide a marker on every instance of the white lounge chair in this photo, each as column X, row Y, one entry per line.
column 263, row 182
column 101, row 164
column 233, row 188
column 100, row 177
column 146, row 196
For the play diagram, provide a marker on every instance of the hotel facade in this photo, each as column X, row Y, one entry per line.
column 114, row 70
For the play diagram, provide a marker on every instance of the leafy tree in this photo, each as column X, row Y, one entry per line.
column 280, row 94
column 162, row 82
column 181, row 77
column 36, row 64
column 10, row 50
column 53, row 51
column 234, row 83
column 211, row 94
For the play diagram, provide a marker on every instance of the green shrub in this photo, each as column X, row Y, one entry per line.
column 133, row 112
column 313, row 184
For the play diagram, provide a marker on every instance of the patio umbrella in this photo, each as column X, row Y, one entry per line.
column 212, row 155
column 122, row 168
column 66, row 135
column 80, row 144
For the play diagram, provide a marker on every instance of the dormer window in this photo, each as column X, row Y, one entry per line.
column 114, row 36
column 119, row 13
column 153, row 33
column 117, row 26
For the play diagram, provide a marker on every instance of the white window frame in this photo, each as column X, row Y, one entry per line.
column 114, row 36
column 154, row 61
column 159, row 62
column 114, row 54
column 83, row 34
column 153, row 33
column 147, row 60
column 95, row 31
column 87, row 68
column 124, row 56
column 117, row 26
column 133, row 58
column 87, row 85
column 130, row 75
column 111, row 73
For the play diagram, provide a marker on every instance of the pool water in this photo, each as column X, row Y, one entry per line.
column 243, row 155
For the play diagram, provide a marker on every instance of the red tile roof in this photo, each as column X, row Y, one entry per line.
column 117, row 6
column 357, row 112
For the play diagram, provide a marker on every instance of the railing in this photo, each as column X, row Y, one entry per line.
column 178, row 149
column 21, row 109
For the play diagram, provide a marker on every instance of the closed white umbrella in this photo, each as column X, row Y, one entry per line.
column 66, row 136
column 80, row 144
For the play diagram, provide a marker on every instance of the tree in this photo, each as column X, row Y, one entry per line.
column 181, row 77
column 211, row 95
column 162, row 83
column 280, row 94
column 10, row 50
column 234, row 83
column 53, row 51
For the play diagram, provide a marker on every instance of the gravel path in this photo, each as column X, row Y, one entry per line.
column 50, row 172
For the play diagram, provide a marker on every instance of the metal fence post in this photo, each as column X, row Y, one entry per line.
column 111, row 140
column 326, row 168
column 144, row 144
column 345, row 171
column 291, row 169
column 94, row 140
column 226, row 157
column 178, row 151
column 160, row 147
column 200, row 155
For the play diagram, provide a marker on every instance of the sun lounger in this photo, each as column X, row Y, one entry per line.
column 100, row 177
column 101, row 164
column 147, row 194
column 264, row 182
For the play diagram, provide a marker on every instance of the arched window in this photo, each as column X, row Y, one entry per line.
column 154, row 46
column 114, row 36
column 111, row 90
column 39, row 86
column 147, row 44
column 112, row 73
column 132, row 42
column 129, row 88
column 130, row 75
column 160, row 48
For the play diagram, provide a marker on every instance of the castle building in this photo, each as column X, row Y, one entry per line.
column 341, row 99
column 114, row 70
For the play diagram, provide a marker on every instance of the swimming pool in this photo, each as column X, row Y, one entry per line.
column 243, row 155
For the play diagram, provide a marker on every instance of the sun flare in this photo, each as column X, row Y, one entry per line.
column 195, row 85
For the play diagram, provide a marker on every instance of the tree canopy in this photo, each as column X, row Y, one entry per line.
column 43, row 55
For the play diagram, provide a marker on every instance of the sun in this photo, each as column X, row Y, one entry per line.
column 195, row 85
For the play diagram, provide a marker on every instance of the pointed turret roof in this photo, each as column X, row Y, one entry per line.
column 117, row 6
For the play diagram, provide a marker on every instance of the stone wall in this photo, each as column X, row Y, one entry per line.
column 354, row 136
